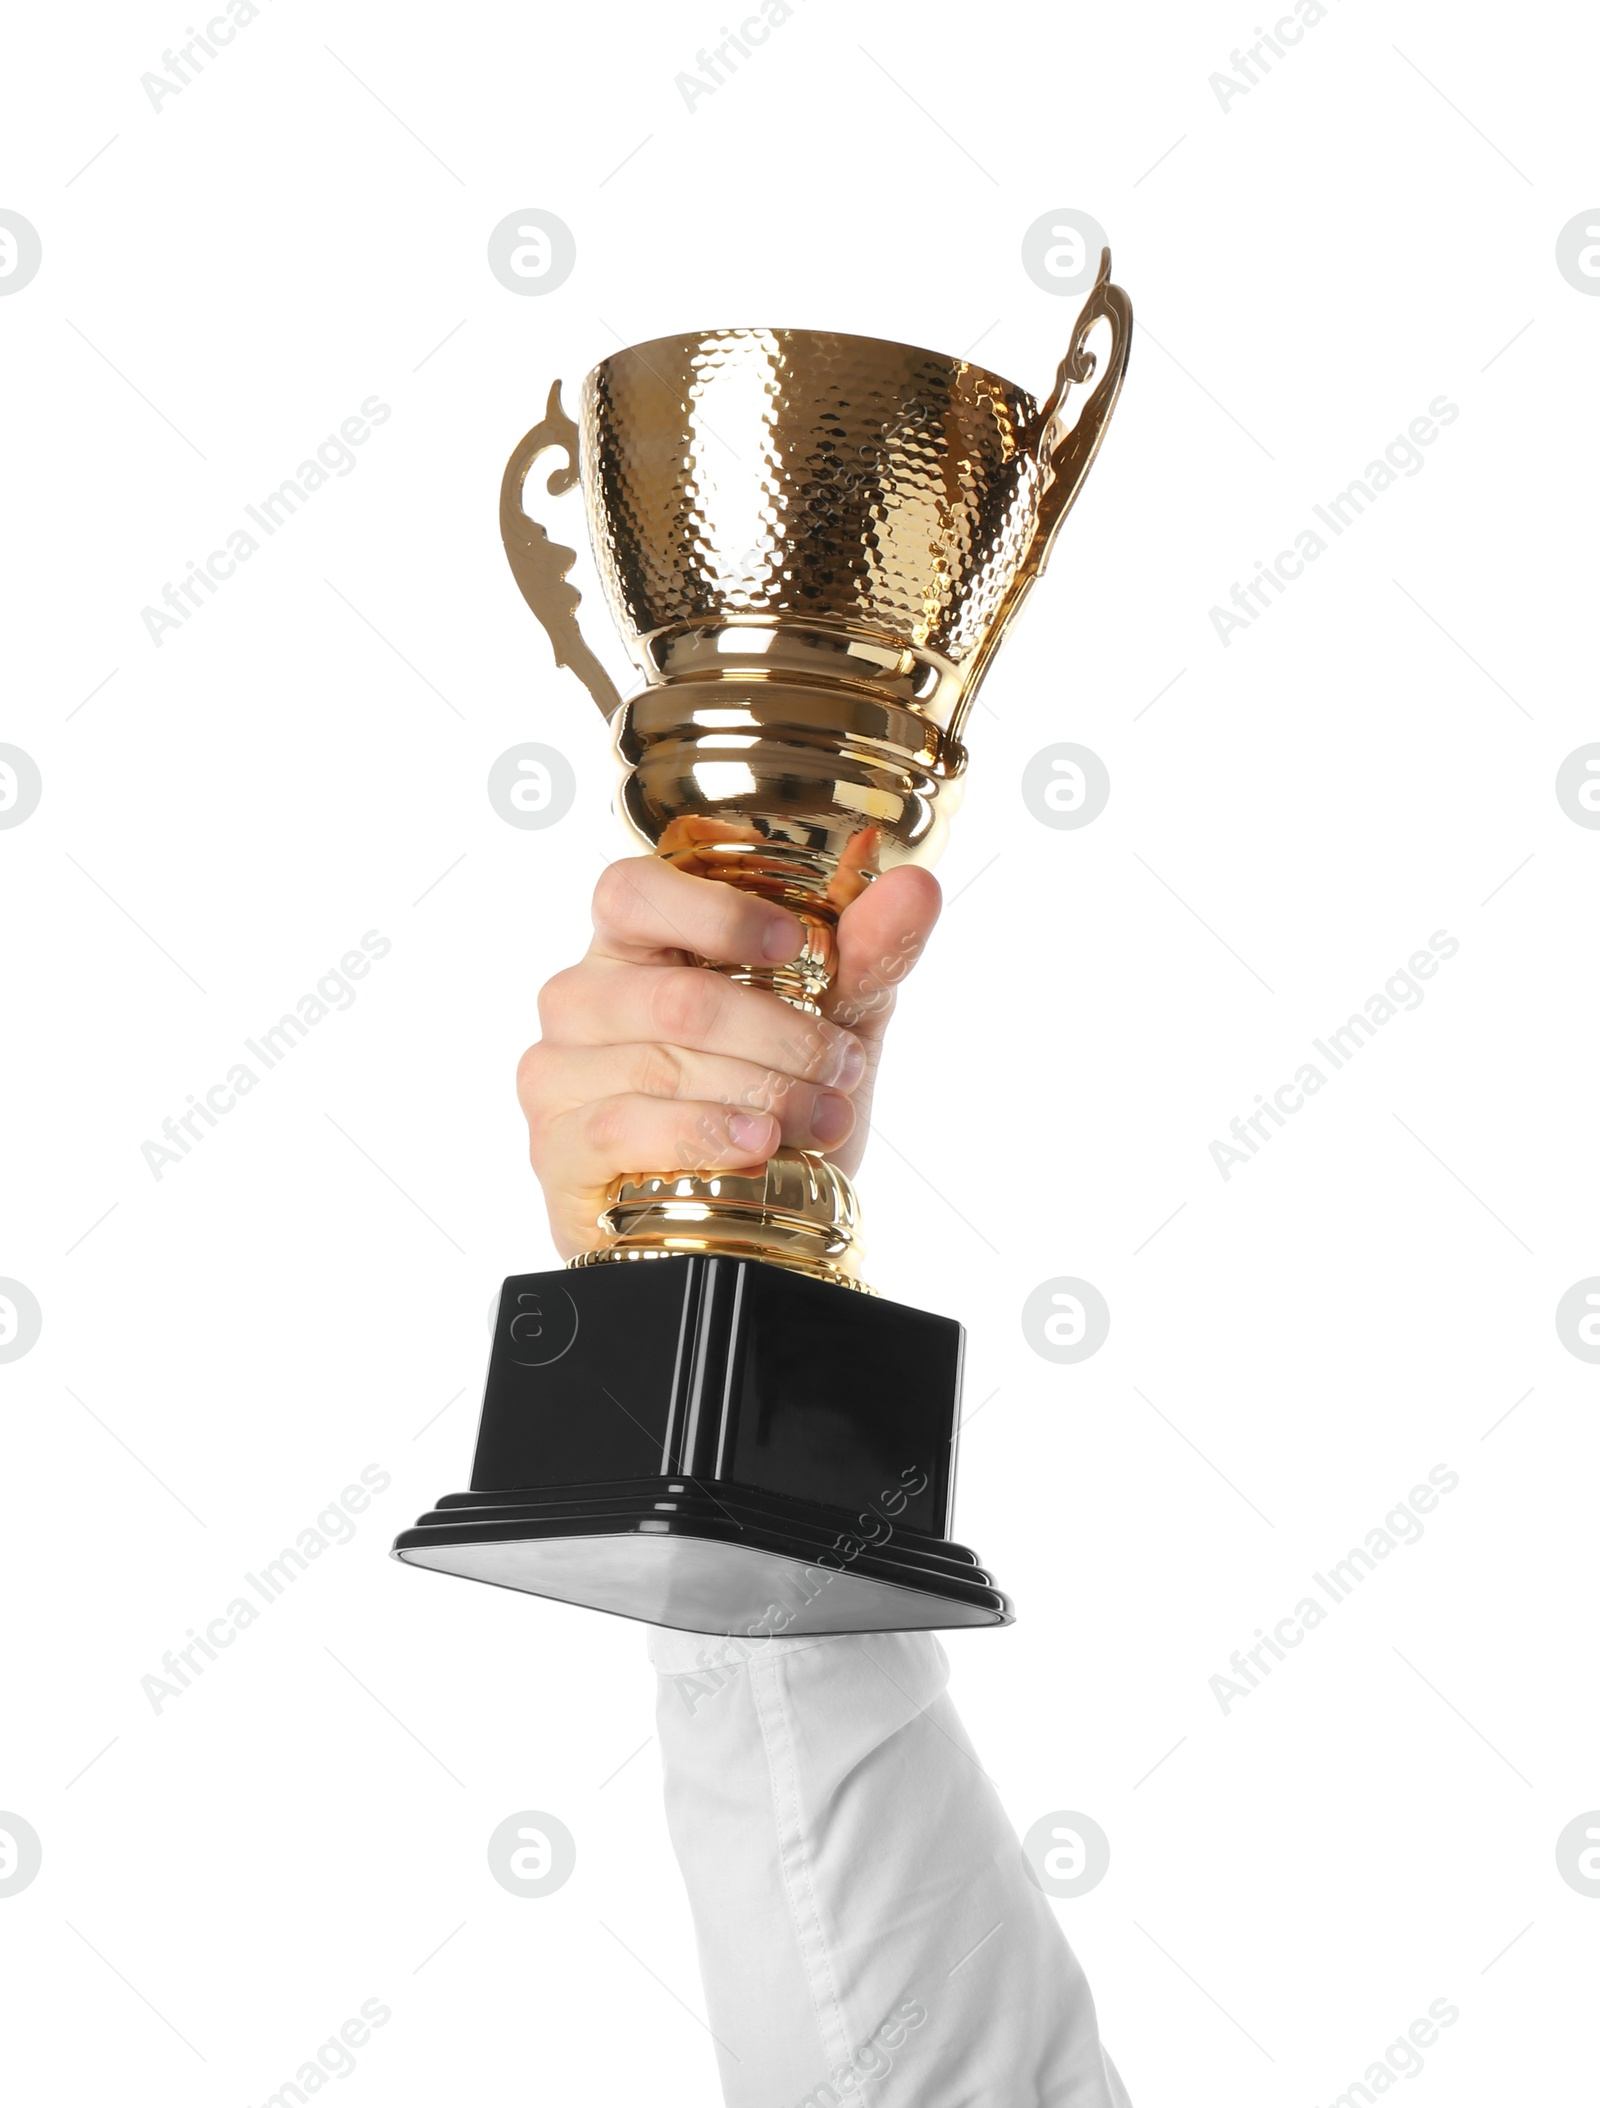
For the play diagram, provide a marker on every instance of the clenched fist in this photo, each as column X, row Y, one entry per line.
column 649, row 1061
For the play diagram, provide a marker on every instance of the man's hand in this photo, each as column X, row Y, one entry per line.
column 648, row 1062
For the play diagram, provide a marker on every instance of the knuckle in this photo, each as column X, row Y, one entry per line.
column 822, row 1049
column 616, row 894
column 534, row 1094
column 768, row 1093
column 686, row 1002
column 839, row 1047
column 604, row 1127
column 702, row 1135
column 530, row 1074
column 800, row 1047
column 558, row 997
column 804, row 1046
column 659, row 1071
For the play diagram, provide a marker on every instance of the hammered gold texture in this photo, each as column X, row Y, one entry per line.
column 801, row 474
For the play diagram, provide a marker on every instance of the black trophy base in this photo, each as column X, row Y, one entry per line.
column 720, row 1446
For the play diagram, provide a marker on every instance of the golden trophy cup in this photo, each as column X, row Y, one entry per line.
column 812, row 545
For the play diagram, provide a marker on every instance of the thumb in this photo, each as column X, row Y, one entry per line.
column 882, row 934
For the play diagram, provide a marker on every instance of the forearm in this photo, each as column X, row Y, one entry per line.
column 860, row 1899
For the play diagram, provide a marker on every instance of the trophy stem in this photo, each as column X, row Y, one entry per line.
column 797, row 1211
column 805, row 979
column 797, row 882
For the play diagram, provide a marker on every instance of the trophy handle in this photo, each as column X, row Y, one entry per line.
column 1071, row 458
column 539, row 565
column 1065, row 459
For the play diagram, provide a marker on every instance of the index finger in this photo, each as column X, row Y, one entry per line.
column 648, row 912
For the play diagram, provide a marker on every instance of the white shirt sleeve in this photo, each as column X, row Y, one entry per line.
column 861, row 1905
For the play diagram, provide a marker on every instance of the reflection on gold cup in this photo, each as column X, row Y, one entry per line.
column 812, row 545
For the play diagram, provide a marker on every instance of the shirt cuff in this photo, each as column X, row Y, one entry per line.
column 686, row 1653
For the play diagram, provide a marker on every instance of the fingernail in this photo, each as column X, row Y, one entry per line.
column 752, row 1131
column 850, row 1064
column 831, row 1118
column 783, row 937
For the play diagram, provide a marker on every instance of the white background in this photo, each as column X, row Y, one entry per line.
column 1369, row 228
